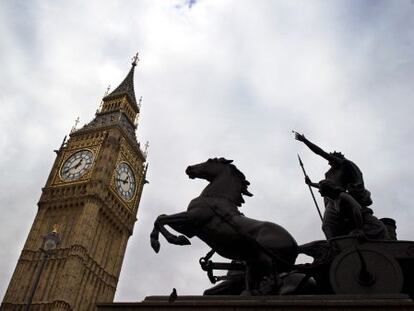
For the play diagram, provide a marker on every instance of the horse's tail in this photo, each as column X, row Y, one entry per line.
column 320, row 251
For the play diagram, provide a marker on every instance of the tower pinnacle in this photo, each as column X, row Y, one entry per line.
column 135, row 59
column 119, row 108
column 126, row 87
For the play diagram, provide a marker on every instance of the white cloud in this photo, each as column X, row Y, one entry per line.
column 220, row 79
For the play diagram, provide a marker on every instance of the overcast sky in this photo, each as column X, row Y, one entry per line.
column 218, row 78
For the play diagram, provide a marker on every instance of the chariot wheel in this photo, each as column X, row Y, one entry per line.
column 365, row 271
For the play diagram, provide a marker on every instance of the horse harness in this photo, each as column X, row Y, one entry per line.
column 227, row 218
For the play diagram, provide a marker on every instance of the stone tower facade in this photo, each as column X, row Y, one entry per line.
column 92, row 196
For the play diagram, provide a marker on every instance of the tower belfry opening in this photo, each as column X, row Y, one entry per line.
column 92, row 194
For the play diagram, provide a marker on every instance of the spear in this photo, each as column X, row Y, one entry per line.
column 310, row 188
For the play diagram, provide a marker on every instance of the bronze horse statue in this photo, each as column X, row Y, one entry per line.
column 267, row 249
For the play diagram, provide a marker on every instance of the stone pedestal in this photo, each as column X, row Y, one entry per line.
column 267, row 303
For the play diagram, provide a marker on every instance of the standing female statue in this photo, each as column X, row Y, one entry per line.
column 345, row 197
column 343, row 172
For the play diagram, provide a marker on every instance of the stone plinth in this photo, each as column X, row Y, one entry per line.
column 267, row 303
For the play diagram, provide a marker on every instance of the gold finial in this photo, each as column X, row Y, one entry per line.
column 146, row 148
column 139, row 102
column 135, row 59
column 76, row 123
column 55, row 228
column 107, row 90
column 102, row 102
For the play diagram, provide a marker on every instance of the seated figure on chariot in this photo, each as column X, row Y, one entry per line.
column 346, row 216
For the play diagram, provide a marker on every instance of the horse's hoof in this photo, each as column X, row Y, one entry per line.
column 182, row 240
column 246, row 293
column 155, row 245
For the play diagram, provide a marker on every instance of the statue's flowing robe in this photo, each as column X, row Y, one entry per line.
column 349, row 177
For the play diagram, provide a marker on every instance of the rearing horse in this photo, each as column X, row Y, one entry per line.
column 213, row 216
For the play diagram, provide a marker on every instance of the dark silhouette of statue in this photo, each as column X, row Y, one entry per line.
column 391, row 226
column 361, row 255
column 343, row 172
column 346, row 216
column 266, row 248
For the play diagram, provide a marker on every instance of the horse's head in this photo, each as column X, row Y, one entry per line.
column 208, row 170
column 234, row 180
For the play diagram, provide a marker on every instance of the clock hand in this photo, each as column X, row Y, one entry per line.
column 68, row 169
column 73, row 166
column 77, row 164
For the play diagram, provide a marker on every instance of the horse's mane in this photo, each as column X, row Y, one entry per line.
column 245, row 183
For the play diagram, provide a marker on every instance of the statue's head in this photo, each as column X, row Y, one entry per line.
column 215, row 167
column 338, row 154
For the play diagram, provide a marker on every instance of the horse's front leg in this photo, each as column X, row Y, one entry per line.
column 178, row 222
column 154, row 237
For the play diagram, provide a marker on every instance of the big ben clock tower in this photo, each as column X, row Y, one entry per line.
column 91, row 198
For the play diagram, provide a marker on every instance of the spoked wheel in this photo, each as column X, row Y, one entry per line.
column 365, row 271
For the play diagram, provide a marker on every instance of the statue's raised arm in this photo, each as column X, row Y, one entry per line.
column 330, row 157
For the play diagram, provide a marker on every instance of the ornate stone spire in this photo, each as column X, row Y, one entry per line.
column 118, row 108
column 126, row 87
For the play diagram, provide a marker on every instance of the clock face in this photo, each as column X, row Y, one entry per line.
column 125, row 181
column 76, row 165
